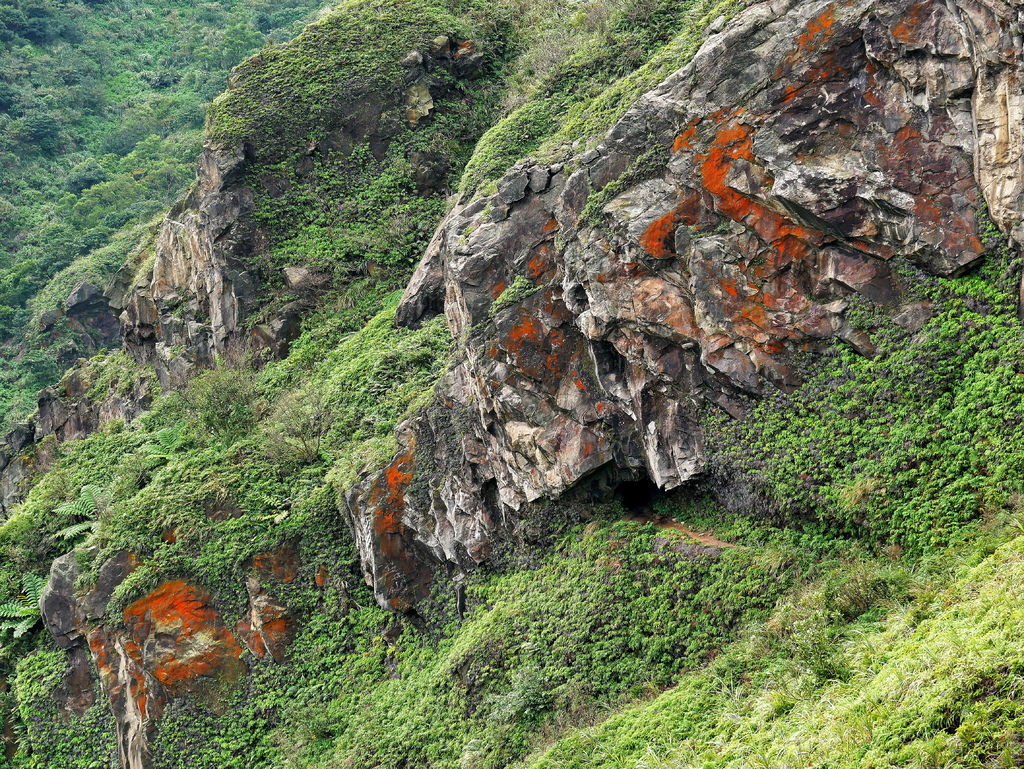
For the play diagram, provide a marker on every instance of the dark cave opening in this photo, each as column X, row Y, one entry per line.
column 639, row 496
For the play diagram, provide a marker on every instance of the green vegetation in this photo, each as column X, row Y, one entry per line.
column 867, row 615
column 822, row 640
column 22, row 615
column 345, row 183
column 586, row 65
column 517, row 290
column 101, row 113
column 905, row 448
column 935, row 680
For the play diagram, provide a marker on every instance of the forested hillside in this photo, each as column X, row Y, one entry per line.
column 480, row 385
column 101, row 114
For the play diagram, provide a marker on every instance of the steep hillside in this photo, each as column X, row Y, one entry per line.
column 617, row 384
column 101, row 115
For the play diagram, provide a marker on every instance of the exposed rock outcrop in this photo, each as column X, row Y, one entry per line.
column 207, row 278
column 200, row 288
column 188, row 306
column 65, row 411
column 172, row 643
column 723, row 225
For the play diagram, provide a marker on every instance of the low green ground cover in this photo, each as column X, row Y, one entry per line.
column 931, row 680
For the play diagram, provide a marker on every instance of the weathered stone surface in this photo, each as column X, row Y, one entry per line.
column 206, row 277
column 112, row 573
column 468, row 60
column 177, row 636
column 803, row 147
column 539, row 178
column 189, row 306
column 303, row 279
column 82, row 294
column 76, row 693
column 395, row 568
column 14, row 476
column 61, row 612
column 423, row 298
column 268, row 628
column 512, row 186
column 173, row 642
column 418, row 102
column 197, row 256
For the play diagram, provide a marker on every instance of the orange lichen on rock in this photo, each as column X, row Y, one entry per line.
column 912, row 19
column 538, row 351
column 268, row 628
column 818, row 31
column 176, row 635
column 685, row 140
column 658, row 237
column 401, row 574
column 733, row 141
column 541, row 266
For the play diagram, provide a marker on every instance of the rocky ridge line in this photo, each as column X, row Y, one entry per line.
column 188, row 305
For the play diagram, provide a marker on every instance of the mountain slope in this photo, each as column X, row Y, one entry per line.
column 748, row 271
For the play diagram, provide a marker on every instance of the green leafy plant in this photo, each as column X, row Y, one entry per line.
column 518, row 290
column 87, row 507
column 22, row 615
column 169, row 441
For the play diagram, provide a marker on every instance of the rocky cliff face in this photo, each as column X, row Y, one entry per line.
column 602, row 307
column 65, row 411
column 722, row 227
column 180, row 311
column 207, row 277
column 189, row 308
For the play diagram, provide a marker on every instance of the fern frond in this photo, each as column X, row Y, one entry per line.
column 77, row 508
column 89, row 494
column 86, row 504
column 78, row 529
column 12, row 611
column 23, row 627
column 33, row 585
column 170, row 438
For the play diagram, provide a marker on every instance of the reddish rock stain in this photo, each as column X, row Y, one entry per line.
column 818, row 31
column 282, row 565
column 405, row 579
column 658, row 239
column 182, row 613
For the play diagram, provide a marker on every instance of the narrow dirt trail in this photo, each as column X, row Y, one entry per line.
column 664, row 522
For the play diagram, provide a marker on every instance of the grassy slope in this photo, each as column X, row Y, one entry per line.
column 936, row 681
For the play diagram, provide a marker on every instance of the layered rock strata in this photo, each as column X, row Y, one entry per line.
column 724, row 224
